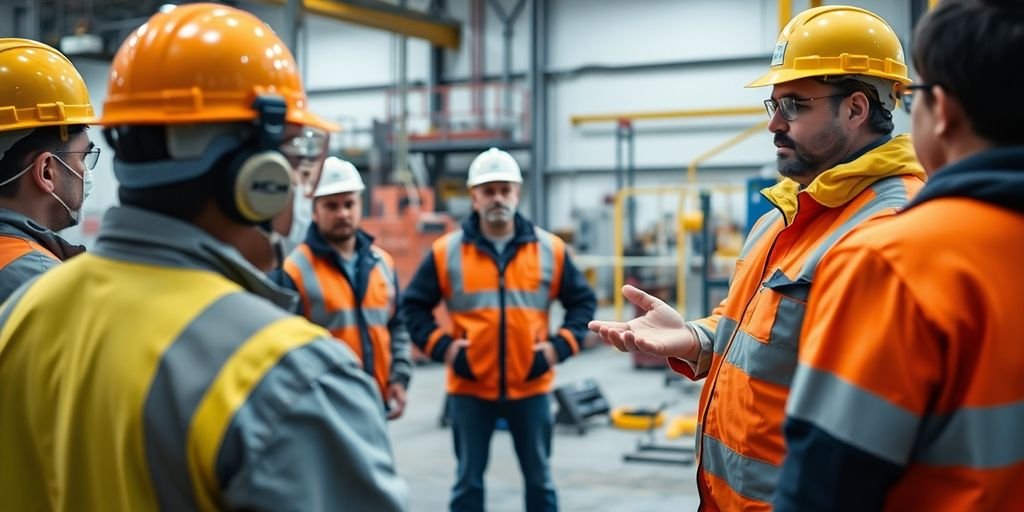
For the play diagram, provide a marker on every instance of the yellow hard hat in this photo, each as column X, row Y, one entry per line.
column 836, row 40
column 39, row 87
column 203, row 63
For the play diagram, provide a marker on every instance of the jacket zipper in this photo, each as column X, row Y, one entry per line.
column 728, row 345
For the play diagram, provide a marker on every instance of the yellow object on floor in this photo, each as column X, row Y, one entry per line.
column 637, row 418
column 685, row 425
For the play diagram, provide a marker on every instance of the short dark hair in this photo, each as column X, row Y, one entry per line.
column 184, row 200
column 879, row 117
column 17, row 157
column 972, row 49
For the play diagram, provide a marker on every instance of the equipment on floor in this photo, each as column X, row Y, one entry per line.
column 647, row 448
column 637, row 418
column 579, row 401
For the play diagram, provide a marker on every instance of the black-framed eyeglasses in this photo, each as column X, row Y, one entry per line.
column 90, row 158
column 788, row 104
column 907, row 94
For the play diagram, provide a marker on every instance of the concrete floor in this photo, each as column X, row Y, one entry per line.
column 589, row 470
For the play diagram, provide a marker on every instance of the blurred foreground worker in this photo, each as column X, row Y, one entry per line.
column 909, row 393
column 162, row 371
column 836, row 74
column 349, row 285
column 46, row 158
column 498, row 276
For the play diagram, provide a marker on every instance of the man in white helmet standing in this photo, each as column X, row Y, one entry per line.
column 349, row 285
column 498, row 276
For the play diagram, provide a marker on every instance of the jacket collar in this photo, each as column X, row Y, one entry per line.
column 840, row 184
column 15, row 224
column 146, row 237
column 995, row 176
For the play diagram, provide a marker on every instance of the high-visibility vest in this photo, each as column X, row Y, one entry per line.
column 739, row 439
column 502, row 312
column 329, row 299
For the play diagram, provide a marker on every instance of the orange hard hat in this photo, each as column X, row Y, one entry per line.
column 203, row 63
column 39, row 87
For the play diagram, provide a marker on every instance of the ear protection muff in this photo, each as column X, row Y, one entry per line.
column 258, row 178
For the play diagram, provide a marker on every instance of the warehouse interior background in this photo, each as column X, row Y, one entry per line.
column 622, row 114
column 590, row 96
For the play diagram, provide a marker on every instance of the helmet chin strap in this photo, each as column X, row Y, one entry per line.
column 274, row 239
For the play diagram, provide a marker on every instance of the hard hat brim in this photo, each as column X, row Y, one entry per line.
column 492, row 177
column 338, row 188
column 789, row 75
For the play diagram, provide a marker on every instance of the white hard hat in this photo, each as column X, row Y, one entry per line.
column 493, row 165
column 338, row 176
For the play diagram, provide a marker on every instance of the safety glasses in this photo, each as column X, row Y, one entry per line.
column 305, row 148
column 789, row 106
column 90, row 158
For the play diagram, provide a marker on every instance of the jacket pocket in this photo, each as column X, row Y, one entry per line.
column 789, row 315
column 539, row 367
column 461, row 365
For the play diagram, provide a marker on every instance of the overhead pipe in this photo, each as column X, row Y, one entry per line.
column 665, row 114
column 508, row 23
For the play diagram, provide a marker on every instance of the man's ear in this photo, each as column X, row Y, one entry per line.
column 860, row 108
column 947, row 114
column 43, row 171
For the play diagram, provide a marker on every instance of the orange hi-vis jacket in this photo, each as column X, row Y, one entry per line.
column 28, row 249
column 500, row 304
column 909, row 394
column 360, row 310
column 753, row 334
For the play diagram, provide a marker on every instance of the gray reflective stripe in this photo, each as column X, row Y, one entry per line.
column 514, row 299
column 536, row 300
column 377, row 316
column 853, row 415
column 889, row 193
column 386, row 271
column 547, row 262
column 9, row 303
column 314, row 294
column 748, row 477
column 188, row 367
column 789, row 319
column 976, row 437
column 726, row 326
column 260, row 415
column 341, row 319
column 454, row 255
column 759, row 230
column 22, row 269
column 772, row 362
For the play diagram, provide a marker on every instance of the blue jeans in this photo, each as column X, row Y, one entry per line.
column 529, row 422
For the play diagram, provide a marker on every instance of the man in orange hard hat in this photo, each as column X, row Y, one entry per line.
column 163, row 370
column 46, row 158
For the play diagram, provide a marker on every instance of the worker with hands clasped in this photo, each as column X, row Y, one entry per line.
column 498, row 276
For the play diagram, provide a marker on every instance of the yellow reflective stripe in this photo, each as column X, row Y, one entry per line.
column 229, row 391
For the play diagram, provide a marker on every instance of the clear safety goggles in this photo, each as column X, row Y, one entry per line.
column 305, row 148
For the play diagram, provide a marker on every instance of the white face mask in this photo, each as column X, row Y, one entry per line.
column 76, row 215
column 302, row 217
